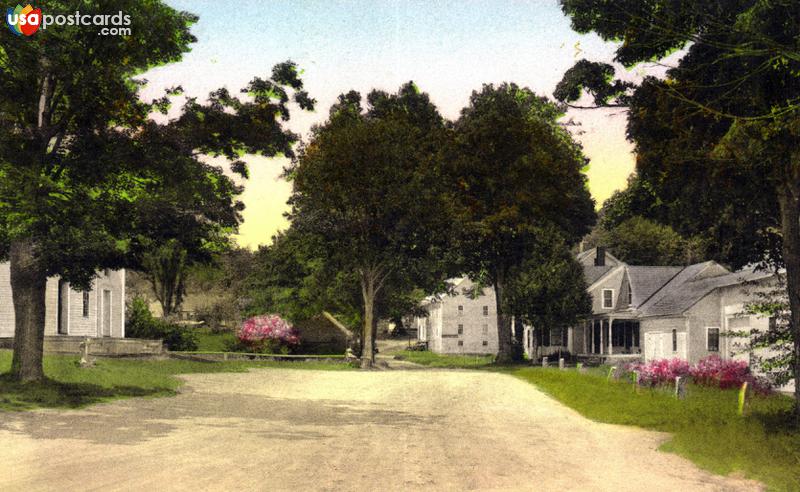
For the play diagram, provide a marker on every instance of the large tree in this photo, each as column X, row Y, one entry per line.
column 368, row 185
column 717, row 140
column 516, row 172
column 88, row 179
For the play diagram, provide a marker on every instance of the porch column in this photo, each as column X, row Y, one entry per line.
column 610, row 336
column 570, row 336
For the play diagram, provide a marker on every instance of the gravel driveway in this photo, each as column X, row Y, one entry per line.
column 277, row 429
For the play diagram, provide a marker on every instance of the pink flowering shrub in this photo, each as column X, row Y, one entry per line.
column 663, row 371
column 713, row 371
column 267, row 333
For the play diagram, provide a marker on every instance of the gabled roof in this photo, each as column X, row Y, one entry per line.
column 592, row 273
column 647, row 280
column 691, row 285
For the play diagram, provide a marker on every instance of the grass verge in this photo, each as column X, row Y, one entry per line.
column 705, row 427
column 431, row 359
column 70, row 386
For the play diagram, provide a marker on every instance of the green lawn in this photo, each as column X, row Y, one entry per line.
column 427, row 358
column 70, row 386
column 705, row 427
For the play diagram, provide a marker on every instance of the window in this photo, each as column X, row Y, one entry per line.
column 461, row 343
column 608, row 298
column 85, row 304
column 674, row 340
column 713, row 339
column 630, row 295
column 485, row 343
column 486, row 310
column 460, row 329
column 460, row 310
column 485, row 328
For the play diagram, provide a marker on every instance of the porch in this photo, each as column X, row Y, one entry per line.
column 609, row 336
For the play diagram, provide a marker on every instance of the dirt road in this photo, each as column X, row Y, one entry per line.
column 282, row 429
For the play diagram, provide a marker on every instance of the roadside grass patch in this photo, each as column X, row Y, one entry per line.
column 432, row 359
column 70, row 386
column 705, row 427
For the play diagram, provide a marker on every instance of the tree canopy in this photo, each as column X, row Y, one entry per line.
column 516, row 172
column 90, row 180
column 367, row 185
column 717, row 140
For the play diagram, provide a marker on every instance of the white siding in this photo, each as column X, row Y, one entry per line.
column 72, row 307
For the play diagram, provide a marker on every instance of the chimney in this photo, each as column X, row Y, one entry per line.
column 600, row 258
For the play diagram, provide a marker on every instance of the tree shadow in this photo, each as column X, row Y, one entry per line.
column 137, row 420
column 17, row 396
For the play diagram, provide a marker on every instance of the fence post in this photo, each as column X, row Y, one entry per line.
column 680, row 387
column 86, row 360
column 545, row 362
column 742, row 394
column 561, row 363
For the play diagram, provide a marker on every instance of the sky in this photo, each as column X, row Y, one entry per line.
column 448, row 48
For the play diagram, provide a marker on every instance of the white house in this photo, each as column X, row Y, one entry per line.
column 96, row 313
column 463, row 323
column 657, row 312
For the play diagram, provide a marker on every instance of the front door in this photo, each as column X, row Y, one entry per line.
column 106, row 313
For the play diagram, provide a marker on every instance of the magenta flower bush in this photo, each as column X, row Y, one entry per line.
column 663, row 371
column 711, row 371
column 268, row 333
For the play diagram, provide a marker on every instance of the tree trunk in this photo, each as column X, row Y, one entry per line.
column 27, row 291
column 789, row 200
column 368, row 341
column 504, row 342
column 518, row 348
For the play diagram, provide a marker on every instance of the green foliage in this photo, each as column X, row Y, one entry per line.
column 516, row 173
column 140, row 323
column 165, row 267
column 94, row 155
column 641, row 241
column 705, row 426
column 369, row 207
column 597, row 79
column 547, row 289
column 70, row 386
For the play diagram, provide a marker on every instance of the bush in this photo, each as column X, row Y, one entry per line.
column 267, row 334
column 663, row 371
column 140, row 323
column 713, row 371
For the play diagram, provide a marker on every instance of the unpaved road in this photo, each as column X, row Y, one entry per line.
column 278, row 429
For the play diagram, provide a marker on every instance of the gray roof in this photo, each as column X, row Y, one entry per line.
column 593, row 273
column 646, row 280
column 685, row 290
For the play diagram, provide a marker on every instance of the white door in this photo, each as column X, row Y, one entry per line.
column 653, row 346
column 106, row 313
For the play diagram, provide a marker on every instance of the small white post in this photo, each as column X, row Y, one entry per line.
column 680, row 387
column 561, row 363
column 545, row 362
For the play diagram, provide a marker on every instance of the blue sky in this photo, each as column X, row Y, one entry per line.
column 447, row 48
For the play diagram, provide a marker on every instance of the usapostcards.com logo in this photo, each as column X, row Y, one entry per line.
column 25, row 21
